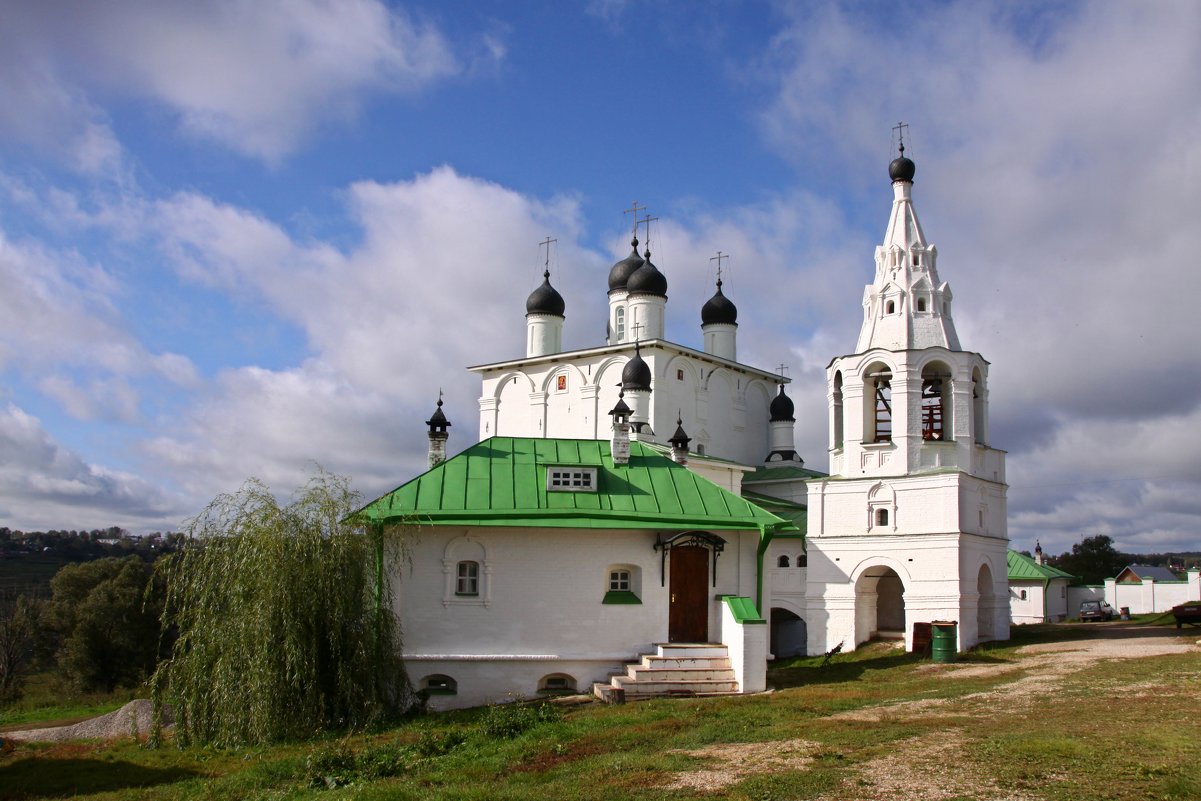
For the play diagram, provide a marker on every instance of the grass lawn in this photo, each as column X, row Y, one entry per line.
column 873, row 723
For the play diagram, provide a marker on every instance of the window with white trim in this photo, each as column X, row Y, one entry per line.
column 467, row 580
column 571, row 479
column 619, row 581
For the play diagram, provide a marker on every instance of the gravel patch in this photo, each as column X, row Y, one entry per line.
column 135, row 719
column 736, row 761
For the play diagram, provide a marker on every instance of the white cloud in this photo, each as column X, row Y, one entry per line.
column 438, row 281
column 256, row 77
column 1057, row 175
column 44, row 485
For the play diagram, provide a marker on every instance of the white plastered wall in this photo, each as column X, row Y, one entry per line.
column 539, row 610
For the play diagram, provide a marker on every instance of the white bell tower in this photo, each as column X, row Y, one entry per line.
column 910, row 527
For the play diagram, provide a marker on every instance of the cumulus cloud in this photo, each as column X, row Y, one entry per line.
column 255, row 77
column 437, row 281
column 44, row 485
column 1054, row 176
column 57, row 312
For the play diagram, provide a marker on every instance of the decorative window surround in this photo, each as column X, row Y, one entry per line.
column 459, row 551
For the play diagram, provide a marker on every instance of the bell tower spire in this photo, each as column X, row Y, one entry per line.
column 907, row 306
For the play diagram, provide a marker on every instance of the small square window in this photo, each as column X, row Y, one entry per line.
column 619, row 581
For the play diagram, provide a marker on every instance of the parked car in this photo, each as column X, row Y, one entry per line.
column 1095, row 610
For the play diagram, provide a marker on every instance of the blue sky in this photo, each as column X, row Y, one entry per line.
column 240, row 238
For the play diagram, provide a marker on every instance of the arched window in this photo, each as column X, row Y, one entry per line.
column 556, row 683
column 837, row 401
column 467, row 579
column 620, row 318
column 623, row 584
column 1023, row 595
column 782, row 561
column 878, row 411
column 921, row 304
column 881, row 517
column 978, row 433
column 890, row 307
column 936, row 402
column 439, row 685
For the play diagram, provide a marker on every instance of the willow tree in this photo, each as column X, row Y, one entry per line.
column 281, row 618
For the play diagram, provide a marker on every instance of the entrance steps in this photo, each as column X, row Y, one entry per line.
column 673, row 670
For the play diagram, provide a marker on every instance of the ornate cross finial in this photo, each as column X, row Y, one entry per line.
column 634, row 209
column 782, row 369
column 900, row 128
column 635, row 329
column 648, row 219
column 719, row 258
column 546, row 243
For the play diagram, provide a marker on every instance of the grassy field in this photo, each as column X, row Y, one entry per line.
column 874, row 723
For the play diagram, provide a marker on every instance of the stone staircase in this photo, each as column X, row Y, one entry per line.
column 673, row 670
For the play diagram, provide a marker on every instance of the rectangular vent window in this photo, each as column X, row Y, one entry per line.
column 575, row 479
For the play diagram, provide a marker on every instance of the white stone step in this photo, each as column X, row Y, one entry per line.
column 639, row 673
column 675, row 669
column 651, row 688
column 690, row 650
column 652, row 662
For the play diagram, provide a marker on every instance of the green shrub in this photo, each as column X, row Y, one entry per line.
column 436, row 744
column 506, row 721
column 331, row 765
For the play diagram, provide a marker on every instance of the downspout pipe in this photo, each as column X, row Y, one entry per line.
column 766, row 535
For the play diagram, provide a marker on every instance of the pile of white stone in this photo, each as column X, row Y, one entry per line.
column 135, row 719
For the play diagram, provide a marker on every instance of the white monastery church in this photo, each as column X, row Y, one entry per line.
column 635, row 519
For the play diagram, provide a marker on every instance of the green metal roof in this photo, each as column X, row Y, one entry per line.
column 1022, row 567
column 782, row 473
column 502, row 482
column 794, row 513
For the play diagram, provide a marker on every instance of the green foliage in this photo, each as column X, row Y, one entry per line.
column 1093, row 559
column 18, row 632
column 283, row 620
column 331, row 765
column 433, row 743
column 506, row 721
column 102, row 625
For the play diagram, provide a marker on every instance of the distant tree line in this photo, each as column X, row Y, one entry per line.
column 1094, row 559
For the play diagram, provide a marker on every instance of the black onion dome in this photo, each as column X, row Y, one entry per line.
column 719, row 309
column 902, row 169
column 781, row 408
column 621, row 272
column 545, row 299
column 637, row 373
column 647, row 280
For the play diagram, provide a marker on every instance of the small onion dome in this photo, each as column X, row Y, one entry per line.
column 621, row 272
column 647, row 280
column 781, row 408
column 679, row 439
column 545, row 299
column 719, row 309
column 438, row 422
column 637, row 373
column 621, row 412
column 901, row 169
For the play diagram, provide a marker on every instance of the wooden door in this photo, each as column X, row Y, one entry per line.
column 688, row 617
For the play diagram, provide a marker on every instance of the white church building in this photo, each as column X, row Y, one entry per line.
column 635, row 519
